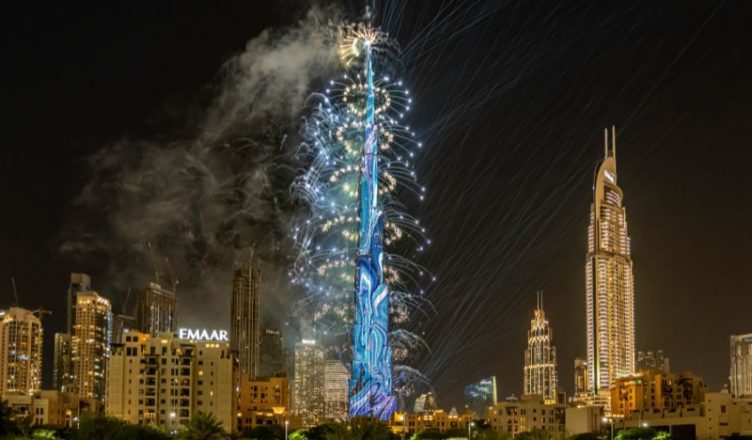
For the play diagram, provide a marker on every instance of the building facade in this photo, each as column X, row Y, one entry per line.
column 581, row 377
column 245, row 326
column 62, row 362
column 653, row 360
column 20, row 352
column 609, row 282
column 79, row 282
column 741, row 365
column 515, row 416
column 540, row 358
column 271, row 353
column 155, row 310
column 434, row 419
column 308, row 385
column 263, row 402
column 90, row 346
column 163, row 381
column 336, row 380
column 651, row 391
column 481, row 395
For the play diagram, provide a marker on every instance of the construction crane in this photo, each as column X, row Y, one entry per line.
column 153, row 261
column 173, row 279
column 15, row 292
column 125, row 301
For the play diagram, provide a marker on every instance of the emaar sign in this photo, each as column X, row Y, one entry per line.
column 202, row 334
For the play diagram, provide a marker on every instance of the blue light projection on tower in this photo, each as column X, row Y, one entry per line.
column 359, row 158
column 371, row 383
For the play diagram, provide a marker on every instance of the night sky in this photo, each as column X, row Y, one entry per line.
column 511, row 101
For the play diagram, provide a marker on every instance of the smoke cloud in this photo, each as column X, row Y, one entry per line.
column 205, row 200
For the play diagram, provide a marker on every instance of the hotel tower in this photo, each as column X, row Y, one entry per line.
column 609, row 282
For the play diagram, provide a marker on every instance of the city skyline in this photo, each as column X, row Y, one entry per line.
column 680, row 155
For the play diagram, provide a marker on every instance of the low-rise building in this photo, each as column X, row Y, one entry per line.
column 163, row 380
column 655, row 390
column 528, row 413
column 718, row 416
column 50, row 408
column 263, row 402
column 583, row 419
column 414, row 423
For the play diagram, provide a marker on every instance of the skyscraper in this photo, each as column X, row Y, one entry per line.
column 540, row 357
column 62, row 368
column 609, row 282
column 20, row 352
column 308, row 385
column 336, row 379
column 481, row 395
column 155, row 310
column 741, row 365
column 581, row 387
column 90, row 345
column 272, row 353
column 244, row 314
column 79, row 282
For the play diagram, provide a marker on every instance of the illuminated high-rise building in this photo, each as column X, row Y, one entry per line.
column 336, row 380
column 540, row 358
column 20, row 352
column 79, row 282
column 90, row 345
column 271, row 354
column 155, row 310
column 581, row 388
column 308, row 384
column 245, row 326
column 481, row 395
column 652, row 360
column 425, row 403
column 62, row 368
column 609, row 282
column 741, row 365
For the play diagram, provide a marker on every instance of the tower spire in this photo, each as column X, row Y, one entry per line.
column 613, row 141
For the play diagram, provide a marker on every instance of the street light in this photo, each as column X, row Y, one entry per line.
column 644, row 424
column 611, row 420
column 287, row 423
column 469, row 425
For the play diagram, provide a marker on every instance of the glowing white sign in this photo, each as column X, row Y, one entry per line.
column 202, row 334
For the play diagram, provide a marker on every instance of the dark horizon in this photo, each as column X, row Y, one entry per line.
column 511, row 102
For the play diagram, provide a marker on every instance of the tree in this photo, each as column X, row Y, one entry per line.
column 338, row 431
column 101, row 427
column 8, row 425
column 368, row 428
column 535, row 434
column 585, row 436
column 266, row 432
column 642, row 434
column 203, row 426
column 491, row 434
column 431, row 434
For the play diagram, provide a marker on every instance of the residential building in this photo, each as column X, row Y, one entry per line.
column 410, row 424
column 655, row 390
column 163, row 380
column 21, row 338
column 90, row 346
column 263, row 402
column 528, row 413
column 741, row 365
column 48, row 408
column 62, row 363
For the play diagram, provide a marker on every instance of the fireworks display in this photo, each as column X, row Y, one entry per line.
column 357, row 236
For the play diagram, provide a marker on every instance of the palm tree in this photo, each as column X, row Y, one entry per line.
column 203, row 426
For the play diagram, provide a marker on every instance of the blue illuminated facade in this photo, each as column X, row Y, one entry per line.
column 371, row 381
